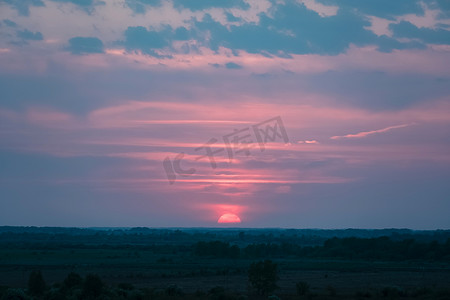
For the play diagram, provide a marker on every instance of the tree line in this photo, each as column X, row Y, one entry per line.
column 381, row 248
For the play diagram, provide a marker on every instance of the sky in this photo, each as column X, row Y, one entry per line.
column 247, row 113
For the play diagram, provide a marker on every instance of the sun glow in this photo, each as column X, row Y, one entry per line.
column 229, row 218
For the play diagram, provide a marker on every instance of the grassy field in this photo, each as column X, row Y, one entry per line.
column 172, row 262
column 145, row 269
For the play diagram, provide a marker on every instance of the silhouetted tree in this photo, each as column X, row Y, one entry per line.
column 263, row 276
column 36, row 284
column 92, row 286
column 73, row 280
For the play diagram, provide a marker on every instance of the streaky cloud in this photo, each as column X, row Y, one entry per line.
column 367, row 133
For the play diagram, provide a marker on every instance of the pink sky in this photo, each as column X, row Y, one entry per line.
column 89, row 112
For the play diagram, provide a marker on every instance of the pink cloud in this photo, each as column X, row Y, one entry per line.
column 432, row 60
column 428, row 61
column 118, row 130
column 322, row 10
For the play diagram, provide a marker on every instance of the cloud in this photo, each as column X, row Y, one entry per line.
column 77, row 2
column 9, row 23
column 85, row 45
column 387, row 44
column 232, row 65
column 322, row 10
column 293, row 28
column 308, row 142
column 444, row 6
column 139, row 38
column 181, row 34
column 406, row 29
column 231, row 17
column 141, row 6
column 366, row 133
column 281, row 28
column 86, row 5
column 23, row 6
column 196, row 5
column 28, row 35
column 382, row 8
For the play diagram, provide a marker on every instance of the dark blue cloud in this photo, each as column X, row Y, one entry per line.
column 387, row 44
column 407, row 30
column 182, row 34
column 9, row 23
column 23, row 6
column 29, row 35
column 331, row 35
column 232, row 65
column 203, row 4
column 141, row 6
column 86, row 5
column 250, row 37
column 82, row 3
column 85, row 45
column 139, row 38
column 444, row 6
column 77, row 2
column 292, row 28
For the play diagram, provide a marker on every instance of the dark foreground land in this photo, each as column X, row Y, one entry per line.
column 143, row 263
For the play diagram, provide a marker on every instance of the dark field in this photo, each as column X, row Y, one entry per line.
column 145, row 263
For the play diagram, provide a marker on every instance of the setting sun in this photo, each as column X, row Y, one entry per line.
column 229, row 218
